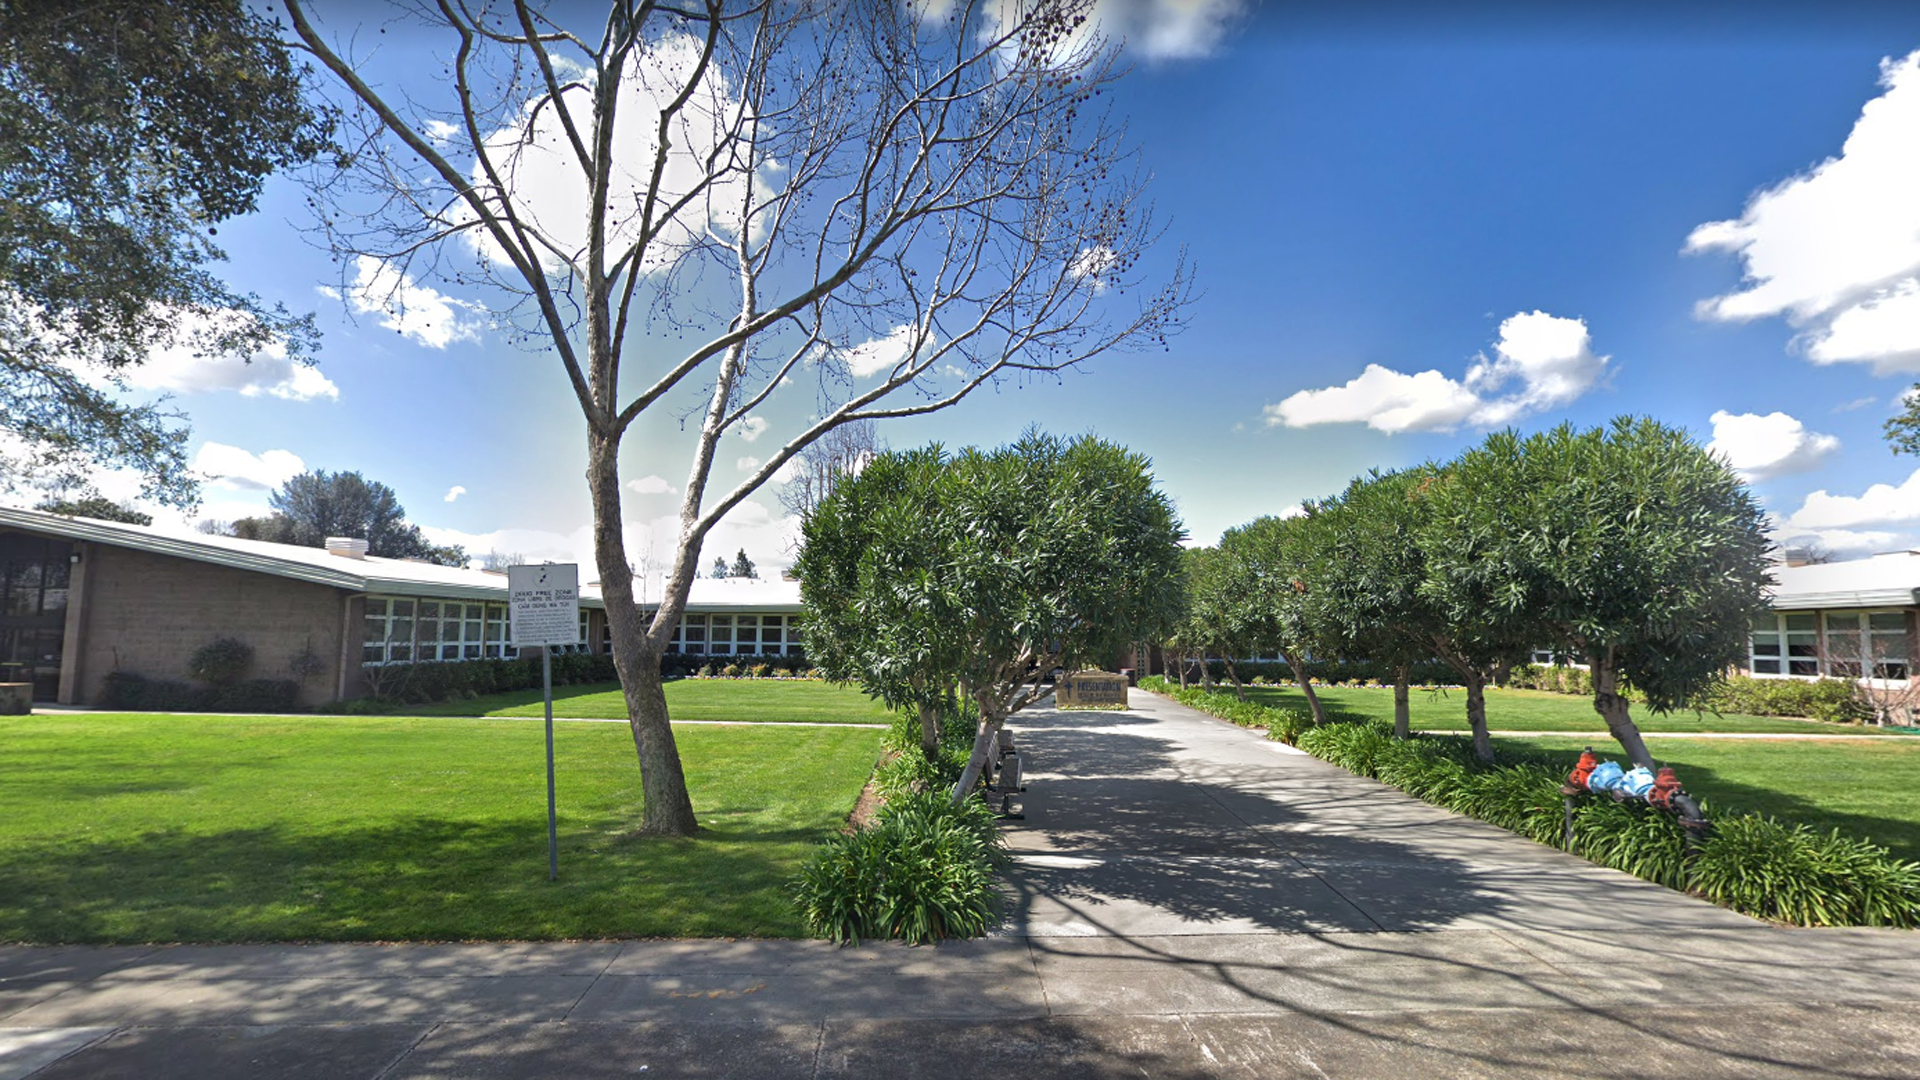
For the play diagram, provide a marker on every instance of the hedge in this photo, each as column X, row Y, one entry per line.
column 1751, row 863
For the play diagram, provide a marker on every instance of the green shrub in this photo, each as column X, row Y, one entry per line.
column 222, row 661
column 137, row 693
column 1752, row 864
column 923, row 870
column 1836, row 701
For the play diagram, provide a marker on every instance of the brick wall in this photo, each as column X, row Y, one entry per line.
column 147, row 613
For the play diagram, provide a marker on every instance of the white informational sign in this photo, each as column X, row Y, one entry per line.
column 543, row 604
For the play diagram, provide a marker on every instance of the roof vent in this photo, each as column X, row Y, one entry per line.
column 347, row 547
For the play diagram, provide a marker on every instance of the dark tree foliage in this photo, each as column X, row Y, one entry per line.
column 719, row 567
column 743, row 566
column 97, row 507
column 128, row 131
column 314, row 506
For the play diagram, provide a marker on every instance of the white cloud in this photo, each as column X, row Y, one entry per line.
column 536, row 161
column 455, row 492
column 1880, row 504
column 747, row 464
column 652, row 485
column 882, row 353
column 768, row 538
column 1857, row 403
column 439, row 130
column 236, row 469
column 1384, row 399
column 1540, row 362
column 1152, row 29
column 175, row 367
column 1836, row 250
column 1843, row 543
column 752, row 427
column 789, row 469
column 1096, row 263
column 1761, row 447
column 417, row 312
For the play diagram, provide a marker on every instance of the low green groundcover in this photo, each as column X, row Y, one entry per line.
column 150, row 828
column 1752, row 863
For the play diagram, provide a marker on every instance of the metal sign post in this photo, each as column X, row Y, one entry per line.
column 544, row 603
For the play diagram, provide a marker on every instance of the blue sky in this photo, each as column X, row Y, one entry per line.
column 1484, row 219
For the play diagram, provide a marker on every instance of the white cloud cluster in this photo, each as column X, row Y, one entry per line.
column 542, row 175
column 1761, row 447
column 1880, row 504
column 455, row 492
column 652, row 485
column 752, row 427
column 1836, row 251
column 882, row 353
column 1151, row 29
column 767, row 537
column 236, row 469
column 747, row 464
column 178, row 367
column 417, row 312
column 1541, row 361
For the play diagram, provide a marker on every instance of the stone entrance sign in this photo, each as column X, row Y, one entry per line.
column 1083, row 688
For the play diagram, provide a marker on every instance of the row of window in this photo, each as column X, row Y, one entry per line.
column 736, row 635
column 1836, row 644
column 404, row 629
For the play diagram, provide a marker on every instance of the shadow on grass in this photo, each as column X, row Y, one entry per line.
column 422, row 878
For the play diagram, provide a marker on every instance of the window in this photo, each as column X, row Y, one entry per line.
column 400, row 629
column 388, row 634
column 746, row 634
column 720, row 635
column 693, row 628
column 1836, row 644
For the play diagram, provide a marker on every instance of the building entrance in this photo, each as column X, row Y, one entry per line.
column 34, row 573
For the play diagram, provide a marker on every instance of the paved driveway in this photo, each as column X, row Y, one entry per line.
column 1190, row 900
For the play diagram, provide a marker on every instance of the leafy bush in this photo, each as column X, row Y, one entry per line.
column 923, row 870
column 222, row 661
column 1748, row 862
column 1836, row 701
column 137, row 693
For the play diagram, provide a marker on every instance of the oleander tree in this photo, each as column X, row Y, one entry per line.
column 1270, row 572
column 987, row 570
column 765, row 218
column 1369, row 601
column 1629, row 547
column 866, row 566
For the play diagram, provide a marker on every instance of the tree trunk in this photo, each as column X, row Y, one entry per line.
column 1306, row 687
column 667, row 810
column 1612, row 708
column 1239, row 690
column 1402, row 720
column 1181, row 660
column 1206, row 674
column 977, row 762
column 930, row 730
column 1477, row 715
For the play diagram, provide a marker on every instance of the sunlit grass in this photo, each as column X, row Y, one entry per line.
column 120, row 828
column 687, row 699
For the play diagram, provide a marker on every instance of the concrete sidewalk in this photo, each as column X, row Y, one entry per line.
column 1191, row 900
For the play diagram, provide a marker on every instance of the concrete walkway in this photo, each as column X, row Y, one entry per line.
column 1191, row 900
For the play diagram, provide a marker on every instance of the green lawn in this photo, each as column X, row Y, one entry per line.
column 687, row 699
column 1535, row 710
column 1866, row 788
column 138, row 828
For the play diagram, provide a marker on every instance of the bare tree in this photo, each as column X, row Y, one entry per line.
column 498, row 561
column 896, row 202
column 843, row 451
